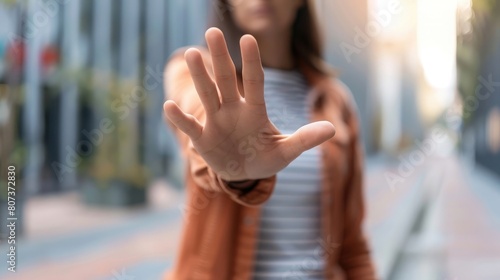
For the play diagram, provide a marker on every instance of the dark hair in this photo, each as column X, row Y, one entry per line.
column 307, row 45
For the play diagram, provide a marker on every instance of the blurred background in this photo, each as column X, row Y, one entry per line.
column 99, row 179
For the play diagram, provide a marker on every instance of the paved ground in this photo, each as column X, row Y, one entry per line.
column 471, row 223
column 456, row 238
column 65, row 239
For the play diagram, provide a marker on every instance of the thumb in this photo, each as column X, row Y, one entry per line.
column 305, row 138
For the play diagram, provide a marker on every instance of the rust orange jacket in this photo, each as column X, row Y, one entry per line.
column 221, row 223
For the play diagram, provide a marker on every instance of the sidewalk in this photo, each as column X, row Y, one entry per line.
column 68, row 240
column 80, row 242
column 471, row 223
column 457, row 236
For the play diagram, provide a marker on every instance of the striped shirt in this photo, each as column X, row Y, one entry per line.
column 287, row 245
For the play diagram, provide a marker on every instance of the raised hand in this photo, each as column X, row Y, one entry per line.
column 237, row 140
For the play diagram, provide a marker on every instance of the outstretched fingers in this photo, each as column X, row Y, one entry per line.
column 207, row 91
column 186, row 123
column 224, row 69
column 253, row 74
column 305, row 138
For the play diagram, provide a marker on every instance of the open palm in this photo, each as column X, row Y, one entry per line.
column 237, row 140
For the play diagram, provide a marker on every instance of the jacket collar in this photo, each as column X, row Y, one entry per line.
column 319, row 86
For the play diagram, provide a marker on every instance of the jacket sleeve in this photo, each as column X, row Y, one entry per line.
column 179, row 87
column 355, row 256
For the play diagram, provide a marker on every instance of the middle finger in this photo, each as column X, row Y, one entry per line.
column 224, row 70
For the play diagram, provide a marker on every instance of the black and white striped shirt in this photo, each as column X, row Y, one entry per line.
column 287, row 246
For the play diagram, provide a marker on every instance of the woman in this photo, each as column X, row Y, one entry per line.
column 271, row 195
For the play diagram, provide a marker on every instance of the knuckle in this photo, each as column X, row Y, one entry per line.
column 225, row 76
column 218, row 55
column 256, row 80
column 253, row 59
column 205, row 92
column 197, row 76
